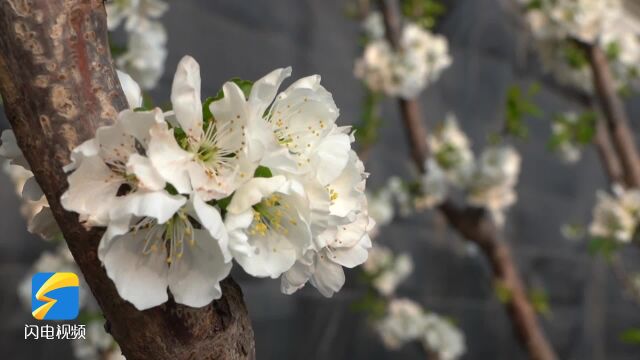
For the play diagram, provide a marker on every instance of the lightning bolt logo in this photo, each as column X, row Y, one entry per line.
column 64, row 306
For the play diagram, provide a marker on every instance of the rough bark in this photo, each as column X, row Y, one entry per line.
column 58, row 84
column 473, row 223
column 615, row 115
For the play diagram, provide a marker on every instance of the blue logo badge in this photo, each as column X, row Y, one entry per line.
column 55, row 296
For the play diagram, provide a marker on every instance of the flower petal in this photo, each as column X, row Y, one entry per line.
column 185, row 97
column 264, row 90
column 131, row 90
column 169, row 159
column 253, row 191
column 328, row 277
column 194, row 278
column 145, row 172
column 210, row 218
column 159, row 205
column 92, row 190
column 140, row 278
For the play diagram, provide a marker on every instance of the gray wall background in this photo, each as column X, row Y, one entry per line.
column 250, row 38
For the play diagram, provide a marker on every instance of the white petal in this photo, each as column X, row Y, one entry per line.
column 92, row 189
column 253, row 191
column 264, row 90
column 31, row 190
column 139, row 123
column 194, row 278
column 185, row 97
column 353, row 256
column 140, row 279
column 271, row 256
column 209, row 217
column 10, row 149
column 86, row 149
column 331, row 157
column 44, row 224
column 144, row 171
column 131, row 90
column 295, row 278
column 236, row 225
column 169, row 159
column 159, row 205
column 328, row 277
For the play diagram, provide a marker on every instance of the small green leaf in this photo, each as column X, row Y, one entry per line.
column 602, row 246
column 503, row 293
column 631, row 336
column 540, row 302
column 263, row 171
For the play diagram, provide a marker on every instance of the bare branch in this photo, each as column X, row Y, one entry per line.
column 615, row 115
column 473, row 223
column 58, row 84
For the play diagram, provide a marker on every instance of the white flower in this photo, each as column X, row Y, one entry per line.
column 405, row 73
column 403, row 323
column 268, row 224
column 616, row 217
column 401, row 195
column 340, row 225
column 151, row 247
column 568, row 150
column 435, row 186
column 296, row 133
column 494, row 179
column 146, row 54
column 451, row 151
column 137, row 14
column 373, row 25
column 388, row 271
column 210, row 159
column 443, row 338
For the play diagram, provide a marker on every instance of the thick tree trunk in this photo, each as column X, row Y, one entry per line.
column 473, row 223
column 58, row 84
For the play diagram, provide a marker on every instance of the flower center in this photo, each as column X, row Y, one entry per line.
column 272, row 214
column 171, row 235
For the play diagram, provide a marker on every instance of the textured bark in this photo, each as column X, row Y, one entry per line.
column 615, row 114
column 473, row 223
column 58, row 84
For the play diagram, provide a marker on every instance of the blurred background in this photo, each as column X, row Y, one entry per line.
column 247, row 39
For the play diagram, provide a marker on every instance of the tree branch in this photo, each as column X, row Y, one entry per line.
column 473, row 223
column 615, row 115
column 58, row 84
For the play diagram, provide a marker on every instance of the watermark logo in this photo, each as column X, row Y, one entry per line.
column 55, row 296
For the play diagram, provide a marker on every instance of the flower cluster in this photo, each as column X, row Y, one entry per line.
column 604, row 23
column 404, row 72
column 406, row 321
column 616, row 217
column 386, row 270
column 146, row 49
column 488, row 182
column 263, row 178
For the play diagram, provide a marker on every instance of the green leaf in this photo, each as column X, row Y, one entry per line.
column 631, row 336
column 371, row 304
column 263, row 171
column 423, row 12
column 575, row 56
column 602, row 246
column 366, row 132
column 517, row 107
column 540, row 302
column 503, row 293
